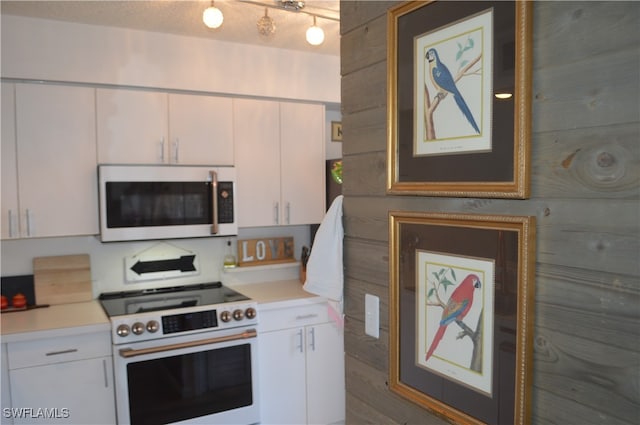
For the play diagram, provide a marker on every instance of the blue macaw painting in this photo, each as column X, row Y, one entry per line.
column 453, row 88
column 444, row 82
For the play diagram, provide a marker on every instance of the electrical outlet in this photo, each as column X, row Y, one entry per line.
column 372, row 315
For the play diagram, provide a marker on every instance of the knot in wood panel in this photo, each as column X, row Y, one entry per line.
column 604, row 167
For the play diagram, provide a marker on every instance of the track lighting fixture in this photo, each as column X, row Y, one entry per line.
column 212, row 16
column 315, row 34
column 266, row 26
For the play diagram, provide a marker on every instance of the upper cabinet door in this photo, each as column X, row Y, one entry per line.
column 302, row 163
column 10, row 212
column 200, row 130
column 257, row 141
column 56, row 151
column 132, row 126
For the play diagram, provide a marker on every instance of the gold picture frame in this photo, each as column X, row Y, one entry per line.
column 438, row 143
column 461, row 314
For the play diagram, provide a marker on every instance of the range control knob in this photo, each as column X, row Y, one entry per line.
column 137, row 328
column 153, row 326
column 225, row 316
column 238, row 314
column 250, row 313
column 122, row 330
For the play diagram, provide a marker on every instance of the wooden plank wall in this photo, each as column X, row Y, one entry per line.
column 585, row 195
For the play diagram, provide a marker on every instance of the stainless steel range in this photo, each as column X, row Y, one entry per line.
column 184, row 354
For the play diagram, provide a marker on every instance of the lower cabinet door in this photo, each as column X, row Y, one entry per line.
column 77, row 392
column 282, row 377
column 325, row 374
column 302, row 375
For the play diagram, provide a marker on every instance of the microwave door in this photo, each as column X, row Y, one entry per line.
column 164, row 202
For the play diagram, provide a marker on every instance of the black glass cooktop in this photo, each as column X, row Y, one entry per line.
column 148, row 300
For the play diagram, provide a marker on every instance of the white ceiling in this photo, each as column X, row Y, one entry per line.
column 184, row 17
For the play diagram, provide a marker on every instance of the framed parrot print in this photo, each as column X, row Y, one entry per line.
column 461, row 314
column 459, row 95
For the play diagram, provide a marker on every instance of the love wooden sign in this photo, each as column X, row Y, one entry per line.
column 257, row 252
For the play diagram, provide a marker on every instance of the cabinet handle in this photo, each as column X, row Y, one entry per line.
column 29, row 219
column 214, row 199
column 313, row 339
column 12, row 225
column 56, row 353
column 306, row 316
column 288, row 213
column 300, row 337
column 161, row 145
column 106, row 377
column 176, row 149
column 276, row 213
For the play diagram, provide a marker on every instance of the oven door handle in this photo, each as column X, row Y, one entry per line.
column 129, row 352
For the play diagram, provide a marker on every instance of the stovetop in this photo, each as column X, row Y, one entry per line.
column 143, row 315
column 175, row 297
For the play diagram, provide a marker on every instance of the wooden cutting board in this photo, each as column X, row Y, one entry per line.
column 62, row 279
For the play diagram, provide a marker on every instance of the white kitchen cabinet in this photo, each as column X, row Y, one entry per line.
column 131, row 126
column 151, row 127
column 257, row 143
column 62, row 380
column 301, row 366
column 51, row 182
column 201, row 129
column 280, row 162
column 302, row 164
column 9, row 169
column 5, row 392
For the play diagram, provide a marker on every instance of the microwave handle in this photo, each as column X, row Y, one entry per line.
column 214, row 200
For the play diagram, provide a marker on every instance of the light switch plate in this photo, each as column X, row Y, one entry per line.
column 372, row 315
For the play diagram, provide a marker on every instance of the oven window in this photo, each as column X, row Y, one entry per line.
column 136, row 204
column 172, row 389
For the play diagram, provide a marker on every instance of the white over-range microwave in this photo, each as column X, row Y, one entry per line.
column 143, row 202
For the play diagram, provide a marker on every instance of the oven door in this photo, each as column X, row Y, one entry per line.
column 205, row 378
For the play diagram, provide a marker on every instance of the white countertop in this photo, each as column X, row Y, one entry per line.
column 88, row 317
column 54, row 321
column 278, row 294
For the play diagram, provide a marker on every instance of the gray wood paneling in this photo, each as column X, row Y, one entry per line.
column 356, row 13
column 574, row 31
column 585, row 180
column 364, row 89
column 367, row 44
column 367, row 131
column 370, row 178
column 593, row 162
column 578, row 95
column 370, row 385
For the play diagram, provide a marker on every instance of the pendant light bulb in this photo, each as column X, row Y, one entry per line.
column 315, row 34
column 212, row 17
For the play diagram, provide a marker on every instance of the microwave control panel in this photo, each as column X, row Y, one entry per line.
column 225, row 202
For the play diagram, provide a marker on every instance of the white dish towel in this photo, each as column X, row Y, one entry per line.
column 325, row 275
